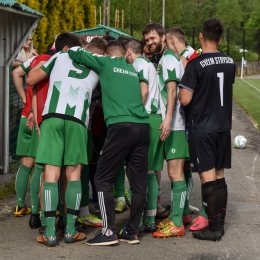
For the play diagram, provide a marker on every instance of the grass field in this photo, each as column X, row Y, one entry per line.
column 247, row 95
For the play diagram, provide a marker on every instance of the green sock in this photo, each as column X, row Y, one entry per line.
column 43, row 219
column 72, row 198
column 189, row 183
column 202, row 210
column 35, row 188
column 21, row 184
column 50, row 199
column 120, row 183
column 179, row 190
column 151, row 198
column 85, row 187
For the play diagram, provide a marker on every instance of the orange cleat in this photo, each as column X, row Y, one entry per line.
column 162, row 224
column 170, row 230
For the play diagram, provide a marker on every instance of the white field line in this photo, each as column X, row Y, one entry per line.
column 251, row 85
column 251, row 119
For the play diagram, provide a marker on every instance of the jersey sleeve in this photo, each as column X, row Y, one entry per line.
column 189, row 79
column 88, row 59
column 26, row 65
column 142, row 67
column 48, row 65
column 170, row 69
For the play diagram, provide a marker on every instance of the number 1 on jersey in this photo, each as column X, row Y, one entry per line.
column 221, row 85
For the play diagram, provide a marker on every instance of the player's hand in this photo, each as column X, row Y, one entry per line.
column 24, row 102
column 166, row 129
column 38, row 130
column 30, row 121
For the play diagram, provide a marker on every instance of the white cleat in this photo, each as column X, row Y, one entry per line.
column 193, row 210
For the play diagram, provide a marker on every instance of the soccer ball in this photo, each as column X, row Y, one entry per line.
column 239, row 141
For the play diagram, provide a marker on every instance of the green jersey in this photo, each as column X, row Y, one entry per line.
column 147, row 73
column 171, row 69
column 70, row 89
column 121, row 92
column 26, row 65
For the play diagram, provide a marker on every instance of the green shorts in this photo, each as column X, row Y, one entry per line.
column 176, row 146
column 89, row 145
column 25, row 144
column 34, row 145
column 155, row 153
column 62, row 142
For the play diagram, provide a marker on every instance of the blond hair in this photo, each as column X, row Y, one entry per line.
column 25, row 54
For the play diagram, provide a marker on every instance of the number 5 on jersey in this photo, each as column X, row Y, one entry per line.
column 75, row 74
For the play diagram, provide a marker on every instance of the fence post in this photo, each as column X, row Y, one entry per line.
column 132, row 30
column 193, row 37
column 228, row 41
column 244, row 43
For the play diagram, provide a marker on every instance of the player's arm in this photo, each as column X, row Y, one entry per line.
column 187, row 85
column 144, row 91
column 18, row 79
column 88, row 59
column 171, row 75
column 34, row 107
column 142, row 68
column 185, row 96
column 36, row 76
column 171, row 97
column 41, row 71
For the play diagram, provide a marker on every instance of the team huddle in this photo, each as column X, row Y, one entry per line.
column 103, row 111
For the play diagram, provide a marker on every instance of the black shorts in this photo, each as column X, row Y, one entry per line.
column 210, row 150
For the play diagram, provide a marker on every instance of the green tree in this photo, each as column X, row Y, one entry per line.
column 247, row 8
column 229, row 12
column 88, row 8
column 254, row 20
column 60, row 17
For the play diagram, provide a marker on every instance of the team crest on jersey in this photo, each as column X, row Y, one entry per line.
column 159, row 67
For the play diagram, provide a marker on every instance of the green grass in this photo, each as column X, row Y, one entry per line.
column 248, row 97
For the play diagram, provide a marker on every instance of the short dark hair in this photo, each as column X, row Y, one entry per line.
column 109, row 38
column 66, row 39
column 212, row 30
column 135, row 45
column 115, row 46
column 154, row 27
column 177, row 32
column 83, row 42
column 97, row 43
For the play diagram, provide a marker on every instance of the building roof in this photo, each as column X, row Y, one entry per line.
column 20, row 7
column 103, row 30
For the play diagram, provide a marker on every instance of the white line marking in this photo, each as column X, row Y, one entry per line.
column 251, row 85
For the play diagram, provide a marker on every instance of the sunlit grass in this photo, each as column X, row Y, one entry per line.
column 248, row 97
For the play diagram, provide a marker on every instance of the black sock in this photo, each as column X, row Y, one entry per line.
column 223, row 196
column 211, row 202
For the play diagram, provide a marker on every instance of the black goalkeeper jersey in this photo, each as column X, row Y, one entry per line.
column 210, row 77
